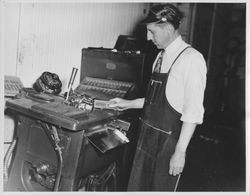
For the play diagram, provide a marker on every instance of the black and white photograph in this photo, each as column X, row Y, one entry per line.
column 124, row 96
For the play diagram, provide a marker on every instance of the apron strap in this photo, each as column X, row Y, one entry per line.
column 178, row 57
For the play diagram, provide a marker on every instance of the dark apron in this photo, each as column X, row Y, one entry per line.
column 160, row 129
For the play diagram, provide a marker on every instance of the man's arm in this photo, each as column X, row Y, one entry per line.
column 192, row 114
column 122, row 104
column 177, row 160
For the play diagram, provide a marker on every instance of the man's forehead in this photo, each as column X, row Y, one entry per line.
column 153, row 26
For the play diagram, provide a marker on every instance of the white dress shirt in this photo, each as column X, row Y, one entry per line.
column 186, row 82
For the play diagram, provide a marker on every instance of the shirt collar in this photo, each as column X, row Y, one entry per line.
column 174, row 45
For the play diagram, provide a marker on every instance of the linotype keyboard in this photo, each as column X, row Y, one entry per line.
column 103, row 89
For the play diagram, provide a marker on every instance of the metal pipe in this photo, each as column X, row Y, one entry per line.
column 54, row 138
column 58, row 151
column 71, row 81
column 211, row 37
column 192, row 23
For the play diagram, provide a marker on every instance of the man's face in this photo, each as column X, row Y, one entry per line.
column 159, row 34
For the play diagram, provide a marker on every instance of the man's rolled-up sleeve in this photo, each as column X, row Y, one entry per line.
column 194, row 88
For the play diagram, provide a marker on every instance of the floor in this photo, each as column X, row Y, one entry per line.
column 216, row 156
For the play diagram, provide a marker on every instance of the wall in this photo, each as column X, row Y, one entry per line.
column 49, row 36
column 42, row 37
column 186, row 23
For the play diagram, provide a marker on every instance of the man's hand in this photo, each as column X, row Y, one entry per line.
column 122, row 104
column 177, row 163
column 119, row 104
column 177, row 160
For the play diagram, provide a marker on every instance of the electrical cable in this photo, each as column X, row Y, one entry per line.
column 7, row 159
column 54, row 138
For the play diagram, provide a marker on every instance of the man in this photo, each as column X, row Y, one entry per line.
column 172, row 108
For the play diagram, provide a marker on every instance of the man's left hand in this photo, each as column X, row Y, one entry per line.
column 177, row 163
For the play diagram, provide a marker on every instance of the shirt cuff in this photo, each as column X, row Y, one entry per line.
column 191, row 119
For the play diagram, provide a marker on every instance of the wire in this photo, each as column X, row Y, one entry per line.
column 7, row 159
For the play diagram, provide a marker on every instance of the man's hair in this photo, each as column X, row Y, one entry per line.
column 165, row 13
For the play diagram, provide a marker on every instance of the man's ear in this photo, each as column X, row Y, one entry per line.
column 169, row 27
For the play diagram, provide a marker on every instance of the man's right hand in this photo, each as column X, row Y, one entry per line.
column 119, row 104
column 122, row 104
